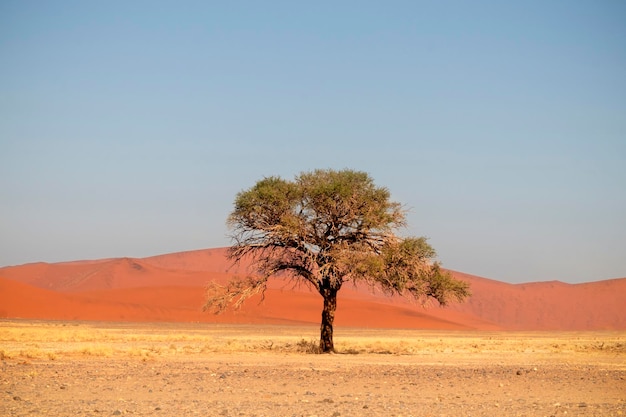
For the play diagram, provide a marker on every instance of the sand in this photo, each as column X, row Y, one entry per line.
column 128, row 337
column 104, row 369
column 170, row 288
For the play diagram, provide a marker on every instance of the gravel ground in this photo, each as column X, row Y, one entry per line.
column 273, row 384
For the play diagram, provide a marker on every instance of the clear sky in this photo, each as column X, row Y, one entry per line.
column 127, row 127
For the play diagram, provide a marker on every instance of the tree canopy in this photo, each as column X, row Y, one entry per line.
column 328, row 227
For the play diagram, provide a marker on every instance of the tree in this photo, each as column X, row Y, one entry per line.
column 327, row 228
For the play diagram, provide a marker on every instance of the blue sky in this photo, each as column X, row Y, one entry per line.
column 127, row 127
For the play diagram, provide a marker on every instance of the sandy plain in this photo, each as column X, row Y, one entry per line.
column 56, row 368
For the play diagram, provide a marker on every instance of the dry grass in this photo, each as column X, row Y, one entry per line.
column 50, row 340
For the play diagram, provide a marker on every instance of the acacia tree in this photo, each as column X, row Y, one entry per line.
column 326, row 228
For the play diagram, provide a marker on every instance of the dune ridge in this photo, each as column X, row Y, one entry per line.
column 170, row 288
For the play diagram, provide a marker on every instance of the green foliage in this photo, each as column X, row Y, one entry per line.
column 265, row 204
column 328, row 227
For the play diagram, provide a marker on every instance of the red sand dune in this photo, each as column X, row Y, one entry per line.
column 551, row 305
column 171, row 288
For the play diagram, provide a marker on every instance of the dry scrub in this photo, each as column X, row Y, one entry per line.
column 52, row 340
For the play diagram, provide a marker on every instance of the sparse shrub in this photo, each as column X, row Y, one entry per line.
column 30, row 354
column 97, row 351
column 308, row 346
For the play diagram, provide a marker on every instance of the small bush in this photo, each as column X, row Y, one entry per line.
column 310, row 346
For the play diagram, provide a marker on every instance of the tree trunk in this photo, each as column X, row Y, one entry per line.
column 328, row 317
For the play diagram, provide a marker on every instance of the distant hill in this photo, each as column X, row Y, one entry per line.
column 171, row 288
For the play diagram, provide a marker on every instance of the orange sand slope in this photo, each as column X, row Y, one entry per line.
column 171, row 288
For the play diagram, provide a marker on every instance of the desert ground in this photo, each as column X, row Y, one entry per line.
column 59, row 368
column 128, row 336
